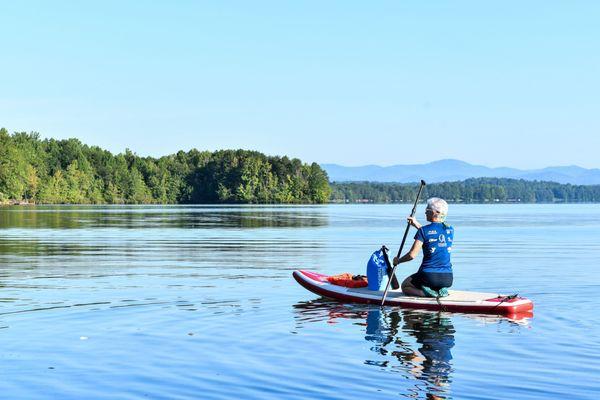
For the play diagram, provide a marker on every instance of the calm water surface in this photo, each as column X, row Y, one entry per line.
column 199, row 302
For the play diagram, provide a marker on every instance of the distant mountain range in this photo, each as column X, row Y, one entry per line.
column 456, row 170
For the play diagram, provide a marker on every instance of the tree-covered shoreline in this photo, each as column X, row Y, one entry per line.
column 474, row 190
column 50, row 171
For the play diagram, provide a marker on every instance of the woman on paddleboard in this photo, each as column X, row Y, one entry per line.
column 434, row 276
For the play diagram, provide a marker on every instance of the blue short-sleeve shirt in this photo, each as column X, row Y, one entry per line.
column 437, row 241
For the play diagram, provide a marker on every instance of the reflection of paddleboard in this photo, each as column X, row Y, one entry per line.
column 457, row 301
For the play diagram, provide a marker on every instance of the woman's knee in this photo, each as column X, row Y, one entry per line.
column 407, row 283
column 409, row 288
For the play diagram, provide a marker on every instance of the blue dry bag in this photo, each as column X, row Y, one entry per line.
column 377, row 271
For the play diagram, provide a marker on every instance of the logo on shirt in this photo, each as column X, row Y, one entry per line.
column 431, row 232
column 432, row 240
column 442, row 240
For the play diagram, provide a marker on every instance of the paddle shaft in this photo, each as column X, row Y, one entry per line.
column 412, row 214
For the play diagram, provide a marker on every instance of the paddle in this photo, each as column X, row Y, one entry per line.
column 412, row 214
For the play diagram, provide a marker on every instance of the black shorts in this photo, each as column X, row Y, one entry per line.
column 434, row 280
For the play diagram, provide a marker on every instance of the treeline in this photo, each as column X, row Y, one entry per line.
column 475, row 190
column 67, row 171
column 53, row 171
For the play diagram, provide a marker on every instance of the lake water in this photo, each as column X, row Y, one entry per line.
column 199, row 302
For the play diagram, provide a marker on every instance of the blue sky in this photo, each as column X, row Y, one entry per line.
column 351, row 82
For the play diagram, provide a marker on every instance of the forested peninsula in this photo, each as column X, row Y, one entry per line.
column 52, row 171
column 474, row 190
column 49, row 171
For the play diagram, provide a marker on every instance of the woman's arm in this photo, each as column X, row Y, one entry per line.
column 411, row 255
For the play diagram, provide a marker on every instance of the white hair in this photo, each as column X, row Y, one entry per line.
column 438, row 205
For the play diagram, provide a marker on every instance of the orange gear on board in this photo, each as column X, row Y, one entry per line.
column 348, row 280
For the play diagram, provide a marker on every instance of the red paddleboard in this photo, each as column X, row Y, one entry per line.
column 457, row 301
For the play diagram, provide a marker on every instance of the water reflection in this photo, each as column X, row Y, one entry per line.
column 417, row 344
column 76, row 217
column 428, row 360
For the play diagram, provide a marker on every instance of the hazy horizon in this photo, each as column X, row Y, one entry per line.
column 452, row 159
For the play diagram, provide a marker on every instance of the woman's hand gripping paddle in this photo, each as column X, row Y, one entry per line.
column 412, row 214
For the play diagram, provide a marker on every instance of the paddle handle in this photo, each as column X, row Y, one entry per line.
column 412, row 214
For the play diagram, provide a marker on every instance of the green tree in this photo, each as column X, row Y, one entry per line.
column 318, row 184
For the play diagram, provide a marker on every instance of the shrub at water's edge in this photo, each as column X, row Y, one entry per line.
column 53, row 171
